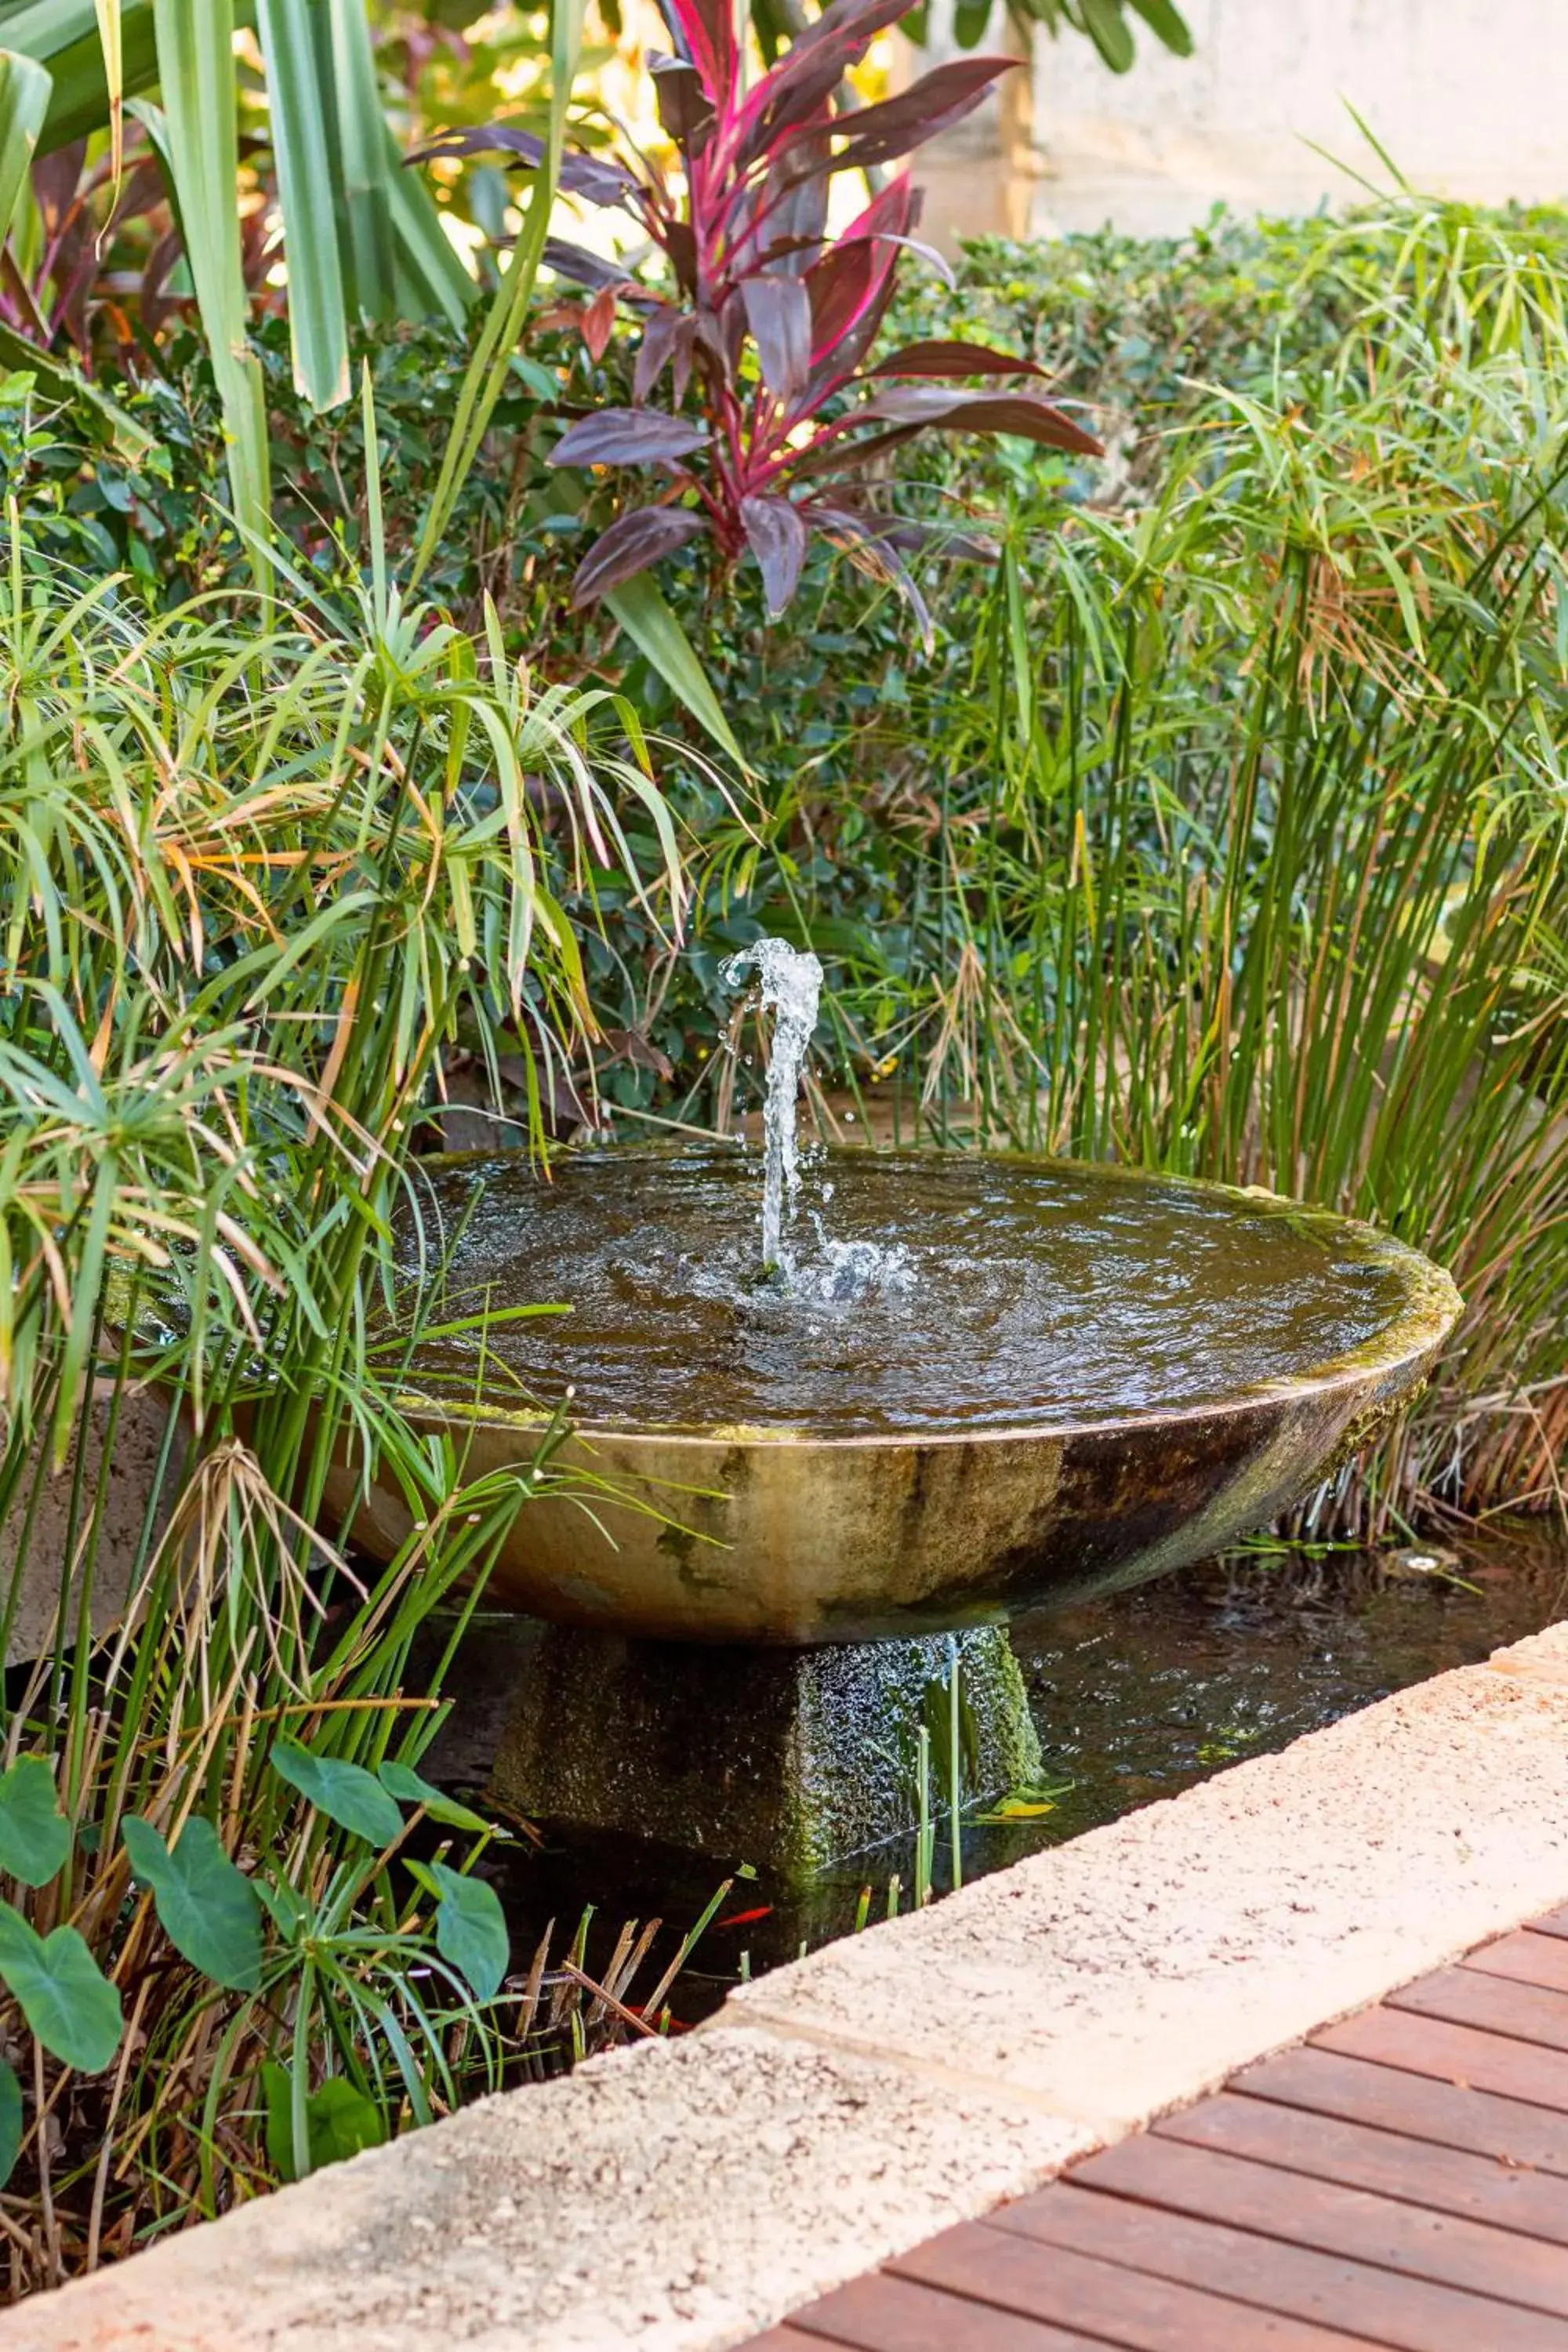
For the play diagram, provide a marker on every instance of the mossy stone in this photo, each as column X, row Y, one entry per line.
column 784, row 1758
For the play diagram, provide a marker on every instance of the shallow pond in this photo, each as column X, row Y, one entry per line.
column 1135, row 1698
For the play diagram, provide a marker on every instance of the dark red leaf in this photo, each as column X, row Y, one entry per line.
column 928, row 407
column 851, row 285
column 685, row 109
column 794, row 223
column 776, row 536
column 581, row 268
column 865, row 537
column 681, row 243
column 633, row 543
column 810, row 71
column 628, row 436
column 944, row 358
column 778, row 312
column 878, row 133
column 599, row 321
column 664, row 332
column 597, row 178
column 706, row 29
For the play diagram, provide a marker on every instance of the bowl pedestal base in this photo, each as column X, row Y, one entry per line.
column 786, row 1759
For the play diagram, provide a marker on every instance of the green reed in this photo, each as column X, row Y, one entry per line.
column 260, row 867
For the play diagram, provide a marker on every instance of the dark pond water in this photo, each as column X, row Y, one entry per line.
column 1135, row 1698
column 1016, row 1292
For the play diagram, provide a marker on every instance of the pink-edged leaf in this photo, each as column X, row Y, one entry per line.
column 776, row 536
column 705, row 29
column 865, row 537
column 598, row 179
column 631, row 543
column 778, row 312
column 685, row 109
column 810, row 72
column 943, row 357
column 846, row 282
column 628, row 436
column 876, row 134
column 928, row 407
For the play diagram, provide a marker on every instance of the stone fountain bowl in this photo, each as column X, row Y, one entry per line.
column 871, row 1515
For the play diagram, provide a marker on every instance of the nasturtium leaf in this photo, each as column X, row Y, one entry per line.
column 346, row 1794
column 68, row 2001
column 206, row 1906
column 35, row 1836
column 410, row 1788
column 10, row 2122
column 338, row 2120
column 470, row 1929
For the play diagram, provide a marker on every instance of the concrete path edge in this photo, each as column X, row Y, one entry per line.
column 680, row 2196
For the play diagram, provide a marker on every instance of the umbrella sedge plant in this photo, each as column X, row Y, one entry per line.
column 260, row 863
column 1250, row 853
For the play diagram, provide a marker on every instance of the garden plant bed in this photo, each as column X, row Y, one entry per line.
column 843, row 2110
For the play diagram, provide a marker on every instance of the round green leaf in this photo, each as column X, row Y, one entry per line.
column 470, row 1929
column 65, row 1997
column 346, row 1794
column 35, row 1836
column 401, row 1781
column 340, row 2121
column 207, row 1908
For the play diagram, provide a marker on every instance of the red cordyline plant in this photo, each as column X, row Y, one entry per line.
column 773, row 321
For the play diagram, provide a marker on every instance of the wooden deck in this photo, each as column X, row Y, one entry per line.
column 1401, row 2181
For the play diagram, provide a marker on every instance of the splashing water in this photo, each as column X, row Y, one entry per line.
column 790, row 979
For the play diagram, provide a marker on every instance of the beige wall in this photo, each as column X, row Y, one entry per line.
column 1470, row 98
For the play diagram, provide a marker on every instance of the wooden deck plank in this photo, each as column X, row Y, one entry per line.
column 1388, row 2309
column 1382, row 2162
column 1454, row 2053
column 1417, row 2105
column 1399, row 2183
column 880, row 2313
column 1306, row 2210
column 1525, row 1959
column 1123, row 2305
column 1491, row 2004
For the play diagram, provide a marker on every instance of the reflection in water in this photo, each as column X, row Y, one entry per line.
column 1136, row 1698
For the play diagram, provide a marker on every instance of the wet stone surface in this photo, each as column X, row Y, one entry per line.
column 787, row 1759
column 927, row 1292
